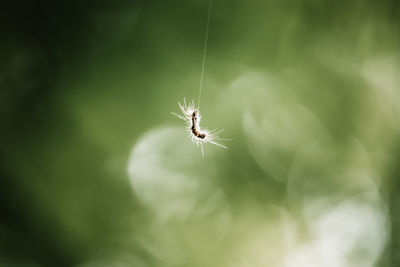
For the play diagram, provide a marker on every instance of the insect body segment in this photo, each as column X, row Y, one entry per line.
column 195, row 126
column 192, row 117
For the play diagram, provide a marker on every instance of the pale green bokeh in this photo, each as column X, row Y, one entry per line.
column 308, row 91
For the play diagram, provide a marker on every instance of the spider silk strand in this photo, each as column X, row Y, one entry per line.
column 205, row 51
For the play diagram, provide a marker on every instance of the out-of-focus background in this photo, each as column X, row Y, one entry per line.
column 95, row 171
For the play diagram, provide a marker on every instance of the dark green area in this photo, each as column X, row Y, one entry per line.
column 82, row 81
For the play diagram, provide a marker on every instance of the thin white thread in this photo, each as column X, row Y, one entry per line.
column 205, row 51
column 191, row 114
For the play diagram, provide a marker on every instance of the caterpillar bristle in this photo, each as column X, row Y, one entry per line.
column 191, row 115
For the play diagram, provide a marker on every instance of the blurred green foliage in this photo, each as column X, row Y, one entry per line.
column 96, row 172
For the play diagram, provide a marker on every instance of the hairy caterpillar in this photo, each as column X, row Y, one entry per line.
column 191, row 116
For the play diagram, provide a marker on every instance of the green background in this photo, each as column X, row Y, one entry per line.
column 95, row 171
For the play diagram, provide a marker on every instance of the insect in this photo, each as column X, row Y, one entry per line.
column 191, row 115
